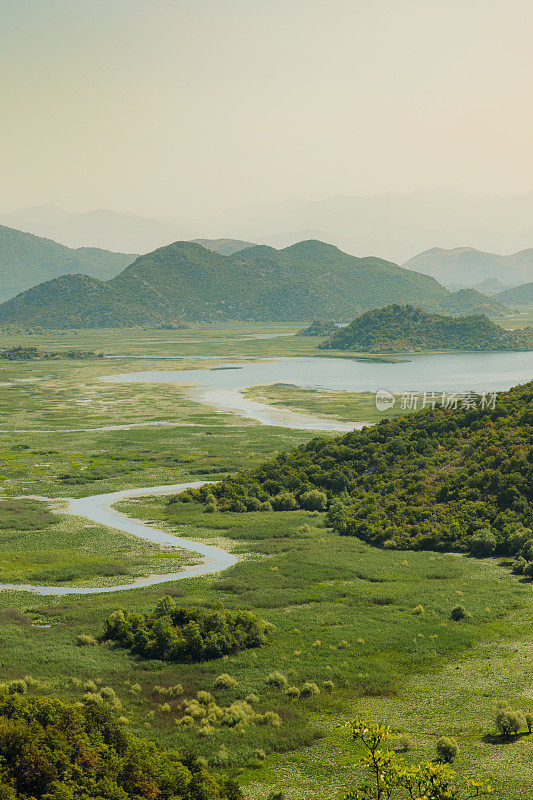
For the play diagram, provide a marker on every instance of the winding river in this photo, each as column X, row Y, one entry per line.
column 98, row 508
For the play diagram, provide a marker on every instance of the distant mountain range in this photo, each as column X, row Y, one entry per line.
column 402, row 328
column 465, row 266
column 187, row 282
column 26, row 260
column 100, row 228
column 392, row 226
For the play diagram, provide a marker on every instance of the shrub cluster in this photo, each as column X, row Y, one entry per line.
column 204, row 714
column 176, row 633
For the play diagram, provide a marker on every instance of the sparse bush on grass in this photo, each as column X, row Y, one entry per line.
column 447, row 749
column 528, row 570
column 328, row 686
column 84, row 640
column 518, row 566
column 309, row 689
column 458, row 613
column 292, row 692
column 391, row 777
column 225, row 681
column 417, row 610
column 314, row 500
column 508, row 721
column 403, row 744
column 277, row 679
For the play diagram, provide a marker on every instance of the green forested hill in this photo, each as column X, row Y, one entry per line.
column 185, row 281
column 398, row 328
column 519, row 296
column 470, row 301
column 26, row 260
column 441, row 478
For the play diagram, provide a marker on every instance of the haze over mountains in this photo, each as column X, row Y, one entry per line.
column 463, row 267
column 393, row 226
column 187, row 282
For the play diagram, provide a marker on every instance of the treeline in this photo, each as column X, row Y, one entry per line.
column 436, row 479
column 56, row 751
column 176, row 633
column 34, row 354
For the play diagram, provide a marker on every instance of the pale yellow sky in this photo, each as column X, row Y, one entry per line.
column 185, row 107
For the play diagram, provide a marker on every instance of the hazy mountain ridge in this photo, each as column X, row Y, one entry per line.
column 26, row 260
column 393, row 226
column 187, row 282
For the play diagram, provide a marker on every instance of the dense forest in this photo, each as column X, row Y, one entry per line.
column 187, row 282
column 55, row 751
column 175, row 633
column 397, row 329
column 454, row 477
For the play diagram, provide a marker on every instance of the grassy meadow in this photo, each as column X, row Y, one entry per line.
column 371, row 628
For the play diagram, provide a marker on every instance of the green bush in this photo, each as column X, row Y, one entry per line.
column 277, row 679
column 314, row 500
column 447, row 749
column 458, row 613
column 225, row 681
column 483, row 543
column 508, row 721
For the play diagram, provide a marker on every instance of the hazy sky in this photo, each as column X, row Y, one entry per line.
column 176, row 107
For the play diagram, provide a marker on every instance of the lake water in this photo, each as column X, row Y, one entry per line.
column 453, row 372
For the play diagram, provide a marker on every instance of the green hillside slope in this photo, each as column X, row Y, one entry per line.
column 439, row 478
column 26, row 260
column 519, row 296
column 396, row 329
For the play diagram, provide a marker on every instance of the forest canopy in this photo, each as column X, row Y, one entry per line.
column 56, row 751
